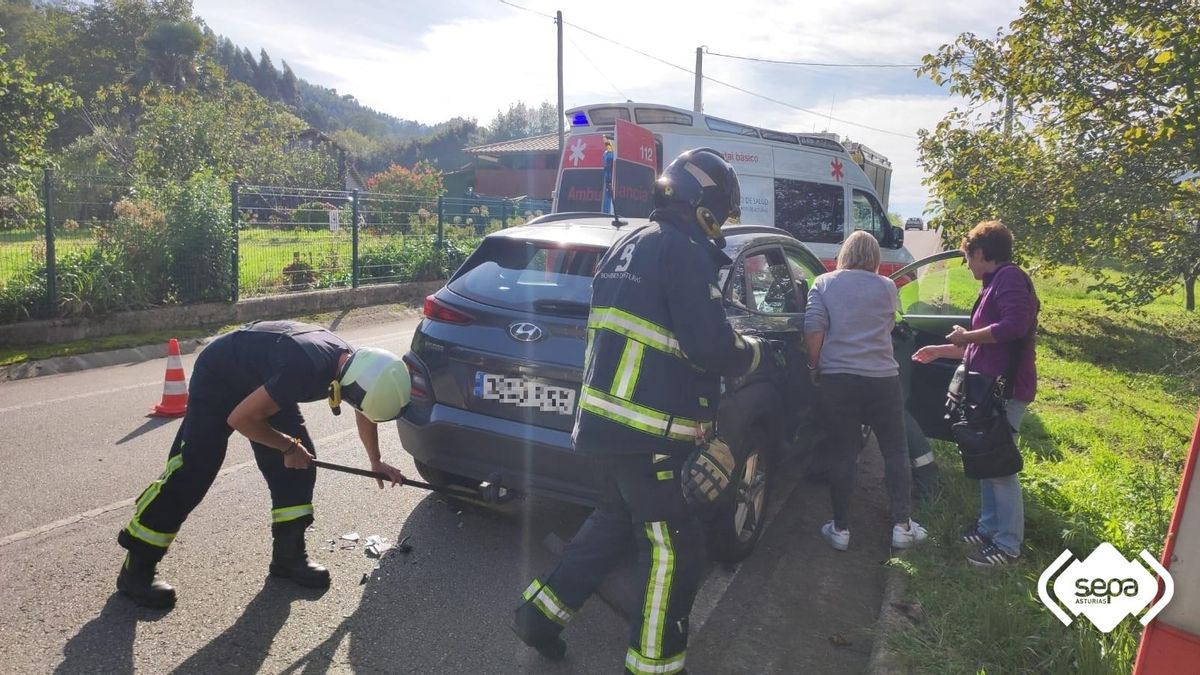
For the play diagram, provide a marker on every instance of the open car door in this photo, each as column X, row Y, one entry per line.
column 936, row 293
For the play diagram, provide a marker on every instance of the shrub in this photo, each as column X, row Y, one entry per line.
column 200, row 240
column 413, row 259
column 135, row 241
column 300, row 275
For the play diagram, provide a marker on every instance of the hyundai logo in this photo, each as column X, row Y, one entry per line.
column 525, row 332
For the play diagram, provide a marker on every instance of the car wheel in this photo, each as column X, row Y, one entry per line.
column 442, row 479
column 739, row 520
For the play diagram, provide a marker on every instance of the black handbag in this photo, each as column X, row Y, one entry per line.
column 979, row 425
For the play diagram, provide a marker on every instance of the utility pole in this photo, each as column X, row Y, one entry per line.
column 699, row 78
column 561, row 113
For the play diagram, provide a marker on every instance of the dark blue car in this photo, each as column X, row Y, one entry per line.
column 496, row 365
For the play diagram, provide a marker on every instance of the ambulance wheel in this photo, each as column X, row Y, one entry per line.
column 439, row 478
column 739, row 520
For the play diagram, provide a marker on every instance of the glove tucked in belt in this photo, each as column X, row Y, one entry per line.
column 707, row 472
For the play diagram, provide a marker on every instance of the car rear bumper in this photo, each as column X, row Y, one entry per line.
column 525, row 458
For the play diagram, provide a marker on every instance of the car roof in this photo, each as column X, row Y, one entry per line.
column 597, row 229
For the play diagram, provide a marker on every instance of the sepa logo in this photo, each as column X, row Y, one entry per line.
column 1105, row 587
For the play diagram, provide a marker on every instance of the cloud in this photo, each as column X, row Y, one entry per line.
column 430, row 61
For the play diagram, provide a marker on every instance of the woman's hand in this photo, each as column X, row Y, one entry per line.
column 928, row 354
column 958, row 336
column 392, row 472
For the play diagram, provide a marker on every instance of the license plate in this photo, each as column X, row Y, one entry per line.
column 524, row 393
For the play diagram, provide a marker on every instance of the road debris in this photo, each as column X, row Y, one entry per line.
column 376, row 546
column 353, row 536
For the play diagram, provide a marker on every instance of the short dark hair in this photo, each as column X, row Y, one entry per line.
column 991, row 237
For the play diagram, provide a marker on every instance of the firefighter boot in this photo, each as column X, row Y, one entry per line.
column 139, row 581
column 538, row 632
column 289, row 558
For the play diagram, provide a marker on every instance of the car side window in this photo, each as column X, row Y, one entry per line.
column 764, row 283
column 803, row 274
column 867, row 215
column 940, row 287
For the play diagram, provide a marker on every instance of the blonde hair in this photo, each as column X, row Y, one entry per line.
column 860, row 251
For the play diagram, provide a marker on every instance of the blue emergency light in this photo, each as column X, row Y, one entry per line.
column 579, row 120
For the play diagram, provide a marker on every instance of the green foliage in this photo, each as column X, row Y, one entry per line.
column 1105, row 102
column 200, row 242
column 413, row 259
column 134, row 240
column 27, row 114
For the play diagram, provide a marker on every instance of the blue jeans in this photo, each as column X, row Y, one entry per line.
column 1001, row 509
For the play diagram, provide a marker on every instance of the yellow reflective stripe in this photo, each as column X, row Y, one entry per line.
column 547, row 602
column 665, row 475
column 628, row 369
column 637, row 416
column 287, row 513
column 148, row 495
column 636, row 328
column 640, row 665
column 658, row 589
column 139, row 531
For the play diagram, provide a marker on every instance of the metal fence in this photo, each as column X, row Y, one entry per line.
column 102, row 244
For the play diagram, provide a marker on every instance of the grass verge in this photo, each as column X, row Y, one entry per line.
column 1104, row 445
column 22, row 353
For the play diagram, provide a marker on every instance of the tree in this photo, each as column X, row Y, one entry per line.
column 266, row 78
column 169, row 54
column 423, row 179
column 289, row 88
column 1105, row 102
column 27, row 115
column 521, row 121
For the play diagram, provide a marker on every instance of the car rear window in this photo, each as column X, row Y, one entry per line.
column 530, row 276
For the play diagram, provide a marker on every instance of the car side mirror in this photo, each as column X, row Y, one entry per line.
column 802, row 294
column 897, row 237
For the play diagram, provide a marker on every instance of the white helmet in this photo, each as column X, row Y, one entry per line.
column 374, row 382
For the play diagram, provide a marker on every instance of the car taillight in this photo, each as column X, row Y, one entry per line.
column 420, row 386
column 439, row 311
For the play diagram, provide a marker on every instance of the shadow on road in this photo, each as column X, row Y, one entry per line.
column 446, row 605
column 149, row 425
column 105, row 644
column 244, row 646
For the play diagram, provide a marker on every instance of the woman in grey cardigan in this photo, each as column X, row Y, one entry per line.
column 848, row 331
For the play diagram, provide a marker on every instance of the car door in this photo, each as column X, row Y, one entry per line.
column 936, row 294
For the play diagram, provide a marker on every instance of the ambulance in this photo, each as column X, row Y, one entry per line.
column 806, row 184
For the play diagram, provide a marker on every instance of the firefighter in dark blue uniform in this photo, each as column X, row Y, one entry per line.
column 658, row 344
column 251, row 381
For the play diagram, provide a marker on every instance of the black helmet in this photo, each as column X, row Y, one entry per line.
column 702, row 187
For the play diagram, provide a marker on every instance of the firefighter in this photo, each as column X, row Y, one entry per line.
column 251, row 381
column 658, row 344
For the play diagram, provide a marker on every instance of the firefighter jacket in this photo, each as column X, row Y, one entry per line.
column 658, row 343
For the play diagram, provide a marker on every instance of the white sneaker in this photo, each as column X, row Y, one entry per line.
column 839, row 539
column 904, row 537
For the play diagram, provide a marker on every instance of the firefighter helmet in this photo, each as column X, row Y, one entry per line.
column 374, row 382
column 701, row 187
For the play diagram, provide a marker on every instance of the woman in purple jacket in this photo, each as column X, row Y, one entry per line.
column 1003, row 328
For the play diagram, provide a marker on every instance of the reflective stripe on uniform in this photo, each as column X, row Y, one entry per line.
column 658, row 590
column 637, row 416
column 638, row 664
column 547, row 602
column 636, row 328
column 628, row 369
column 924, row 459
column 283, row 515
column 152, row 537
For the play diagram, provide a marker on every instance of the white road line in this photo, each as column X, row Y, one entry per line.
column 369, row 341
column 93, row 513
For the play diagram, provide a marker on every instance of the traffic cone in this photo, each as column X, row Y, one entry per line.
column 175, row 395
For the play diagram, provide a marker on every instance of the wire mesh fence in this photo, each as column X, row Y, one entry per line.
column 98, row 244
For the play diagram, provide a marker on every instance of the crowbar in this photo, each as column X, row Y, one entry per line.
column 489, row 491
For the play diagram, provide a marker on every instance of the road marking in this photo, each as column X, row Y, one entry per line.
column 369, row 341
column 93, row 513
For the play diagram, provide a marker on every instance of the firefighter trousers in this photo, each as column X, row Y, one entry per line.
column 194, row 460
column 643, row 509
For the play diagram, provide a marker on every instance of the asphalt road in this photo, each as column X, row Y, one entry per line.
column 922, row 243
column 77, row 449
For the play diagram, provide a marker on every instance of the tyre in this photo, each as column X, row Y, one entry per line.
column 439, row 478
column 739, row 520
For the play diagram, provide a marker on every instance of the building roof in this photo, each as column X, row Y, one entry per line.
column 543, row 143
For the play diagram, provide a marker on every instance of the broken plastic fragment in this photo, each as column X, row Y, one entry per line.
column 353, row 536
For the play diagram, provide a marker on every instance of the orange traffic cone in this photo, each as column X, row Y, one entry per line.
column 175, row 395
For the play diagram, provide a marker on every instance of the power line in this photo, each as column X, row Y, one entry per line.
column 813, row 63
column 711, row 79
column 597, row 68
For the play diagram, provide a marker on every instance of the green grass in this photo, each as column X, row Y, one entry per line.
column 1104, row 445
column 22, row 353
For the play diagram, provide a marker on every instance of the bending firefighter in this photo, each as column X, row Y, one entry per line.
column 658, row 344
column 251, row 381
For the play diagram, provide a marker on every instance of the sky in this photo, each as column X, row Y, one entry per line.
column 430, row 61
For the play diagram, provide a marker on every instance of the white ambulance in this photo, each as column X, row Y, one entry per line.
column 806, row 184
